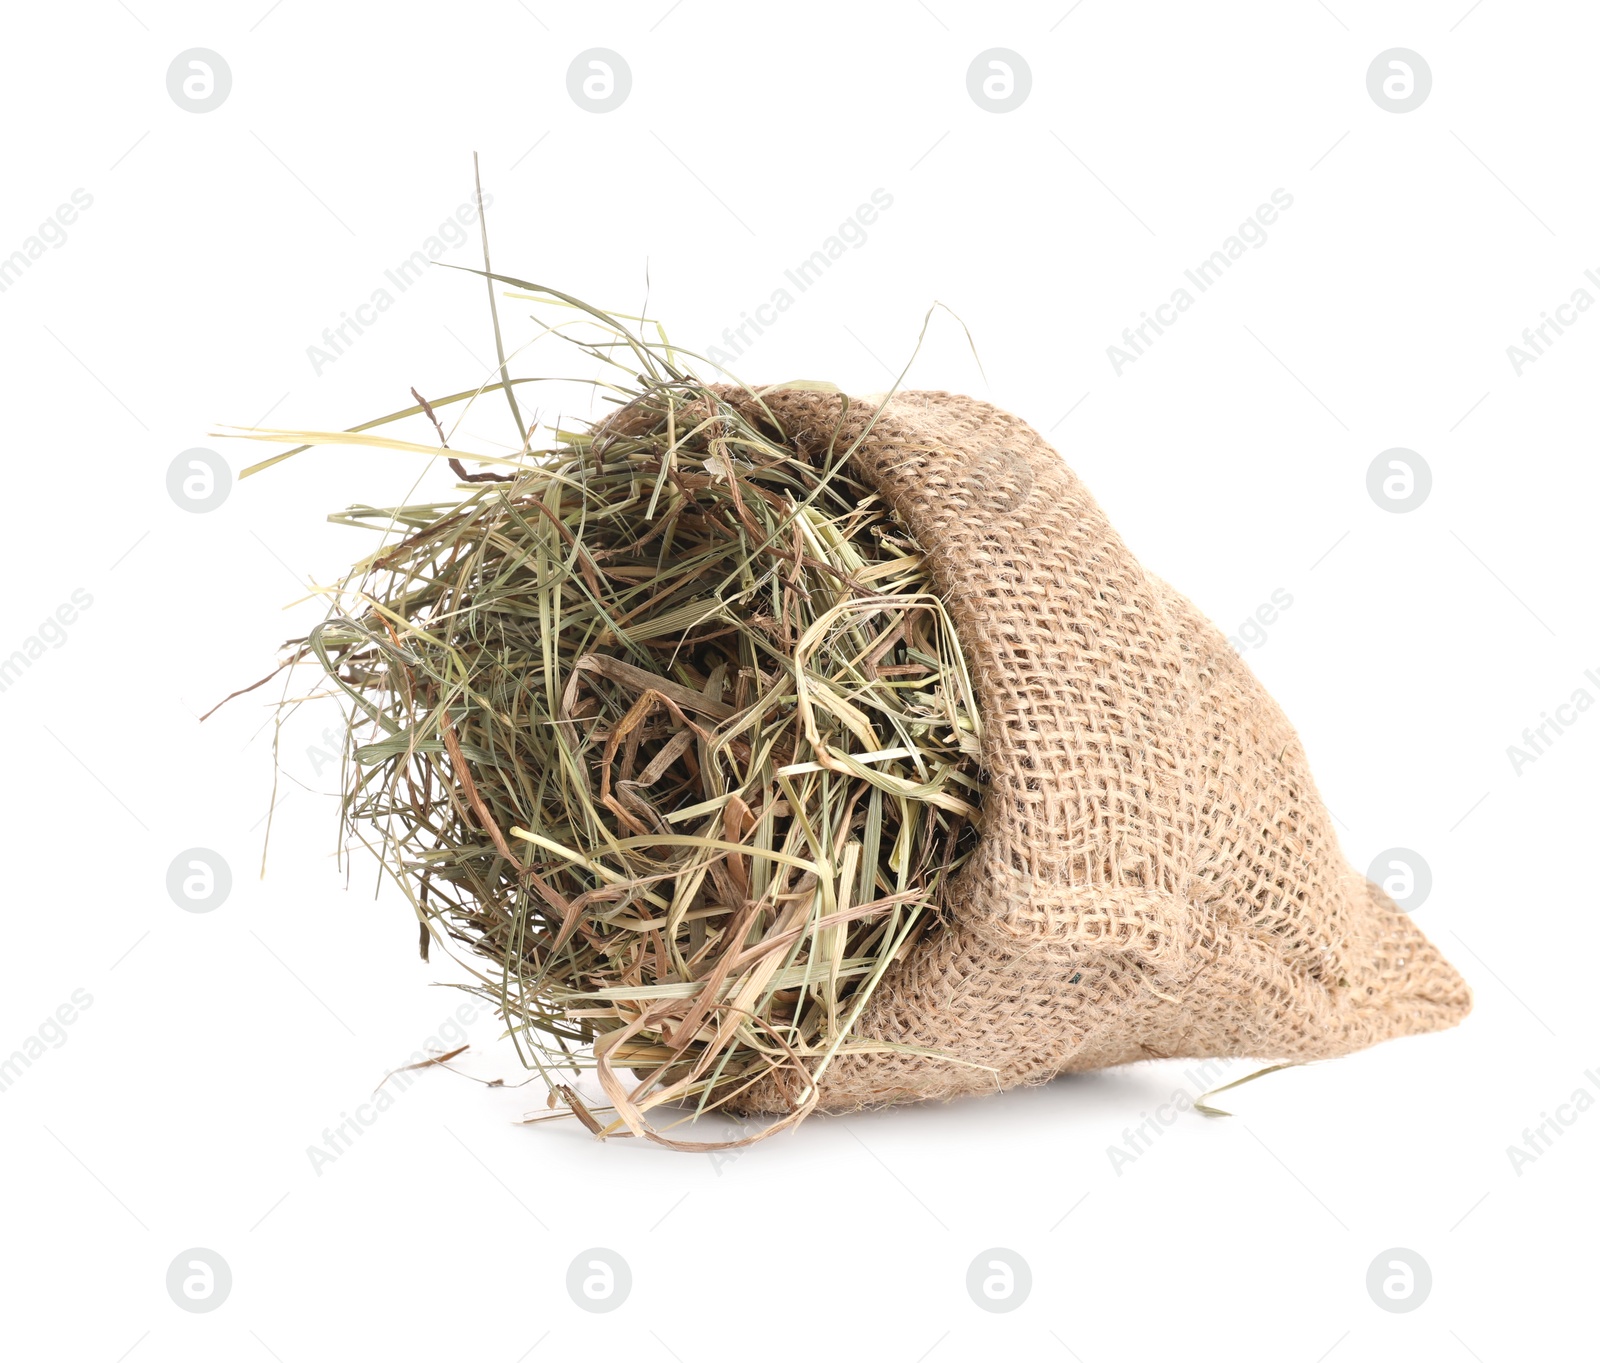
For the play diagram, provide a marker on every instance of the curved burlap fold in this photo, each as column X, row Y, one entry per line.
column 1156, row 875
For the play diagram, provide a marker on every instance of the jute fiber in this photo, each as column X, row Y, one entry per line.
column 1157, row 875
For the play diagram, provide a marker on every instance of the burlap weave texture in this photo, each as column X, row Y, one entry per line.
column 1157, row 875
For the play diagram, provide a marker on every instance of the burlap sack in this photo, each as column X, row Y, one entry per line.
column 1157, row 875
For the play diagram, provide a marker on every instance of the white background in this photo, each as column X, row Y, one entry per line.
column 1232, row 456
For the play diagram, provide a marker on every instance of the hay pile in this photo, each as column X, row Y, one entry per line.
column 662, row 722
column 666, row 722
